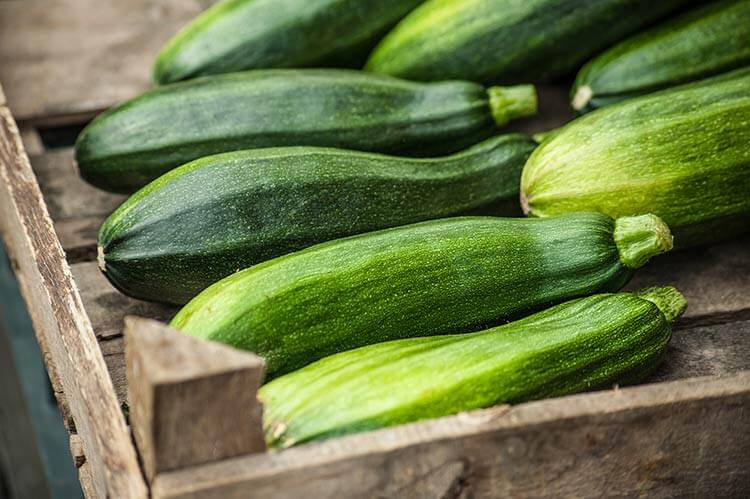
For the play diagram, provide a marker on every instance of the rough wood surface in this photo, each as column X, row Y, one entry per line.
column 107, row 307
column 686, row 438
column 31, row 140
column 77, row 208
column 76, row 450
column 62, row 61
column 715, row 280
column 60, row 320
column 191, row 401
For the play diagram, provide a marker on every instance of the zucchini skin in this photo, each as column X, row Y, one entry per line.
column 579, row 345
column 508, row 40
column 681, row 154
column 201, row 222
column 704, row 42
column 237, row 35
column 441, row 276
column 130, row 145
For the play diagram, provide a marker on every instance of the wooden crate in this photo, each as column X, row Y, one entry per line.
column 192, row 404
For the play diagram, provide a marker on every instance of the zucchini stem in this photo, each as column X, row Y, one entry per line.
column 667, row 298
column 640, row 238
column 582, row 97
column 508, row 103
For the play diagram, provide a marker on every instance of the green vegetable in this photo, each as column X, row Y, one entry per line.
column 128, row 146
column 580, row 345
column 443, row 276
column 703, row 42
column 681, row 154
column 508, row 40
column 201, row 222
column 235, row 35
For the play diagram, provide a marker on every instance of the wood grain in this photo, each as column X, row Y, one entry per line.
column 191, row 401
column 63, row 61
column 77, row 208
column 32, row 142
column 714, row 279
column 60, row 321
column 661, row 440
column 107, row 307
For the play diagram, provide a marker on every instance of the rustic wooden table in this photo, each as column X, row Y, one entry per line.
column 685, row 432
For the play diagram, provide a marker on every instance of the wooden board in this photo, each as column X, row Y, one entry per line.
column 62, row 61
column 59, row 320
column 688, row 438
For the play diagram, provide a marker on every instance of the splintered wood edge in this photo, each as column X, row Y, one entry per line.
column 191, row 401
column 60, row 322
column 667, row 436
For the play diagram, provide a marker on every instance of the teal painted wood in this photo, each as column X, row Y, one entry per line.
column 508, row 41
column 703, row 42
column 237, row 35
column 205, row 220
column 579, row 345
column 442, row 276
column 681, row 154
column 130, row 145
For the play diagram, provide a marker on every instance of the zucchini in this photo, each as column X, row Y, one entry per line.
column 508, row 40
column 704, row 42
column 130, row 145
column 235, row 35
column 579, row 345
column 442, row 276
column 681, row 154
column 203, row 221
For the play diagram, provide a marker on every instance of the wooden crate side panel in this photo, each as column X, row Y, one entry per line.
column 61, row 322
column 686, row 438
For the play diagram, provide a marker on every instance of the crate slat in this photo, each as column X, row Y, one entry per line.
column 60, row 321
column 107, row 307
column 63, row 61
column 676, row 439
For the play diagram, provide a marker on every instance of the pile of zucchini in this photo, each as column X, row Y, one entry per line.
column 323, row 183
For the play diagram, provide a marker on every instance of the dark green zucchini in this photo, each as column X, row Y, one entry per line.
column 581, row 345
column 703, row 42
column 442, row 276
column 131, row 145
column 508, row 41
column 235, row 35
column 201, row 222
column 681, row 154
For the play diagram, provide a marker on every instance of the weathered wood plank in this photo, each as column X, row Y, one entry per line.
column 60, row 321
column 31, row 140
column 77, row 208
column 185, row 395
column 715, row 350
column 67, row 195
column 107, row 307
column 661, row 440
column 714, row 279
column 63, row 61
column 76, row 450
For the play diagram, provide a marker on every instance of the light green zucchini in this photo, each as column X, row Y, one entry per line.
column 579, row 345
column 681, row 154
column 443, row 276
